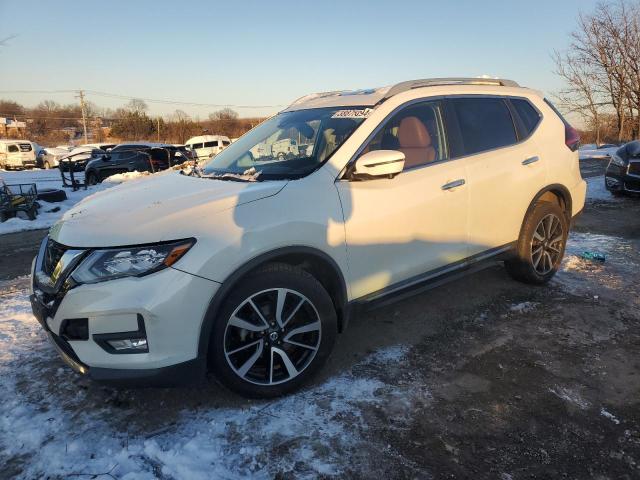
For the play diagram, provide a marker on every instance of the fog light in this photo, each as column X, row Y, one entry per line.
column 124, row 342
column 137, row 344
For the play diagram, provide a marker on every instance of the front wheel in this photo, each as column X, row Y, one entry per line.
column 273, row 332
column 541, row 244
column 91, row 179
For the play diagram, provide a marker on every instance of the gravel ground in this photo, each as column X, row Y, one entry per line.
column 507, row 381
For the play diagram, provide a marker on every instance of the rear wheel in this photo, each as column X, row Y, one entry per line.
column 273, row 332
column 541, row 244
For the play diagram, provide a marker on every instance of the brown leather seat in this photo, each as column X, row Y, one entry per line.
column 415, row 142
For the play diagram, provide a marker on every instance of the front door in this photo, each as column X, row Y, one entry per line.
column 398, row 230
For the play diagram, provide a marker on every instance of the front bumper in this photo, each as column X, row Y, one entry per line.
column 617, row 179
column 172, row 305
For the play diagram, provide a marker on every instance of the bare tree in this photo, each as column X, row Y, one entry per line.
column 137, row 106
column 602, row 67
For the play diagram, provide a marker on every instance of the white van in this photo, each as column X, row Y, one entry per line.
column 17, row 154
column 206, row 146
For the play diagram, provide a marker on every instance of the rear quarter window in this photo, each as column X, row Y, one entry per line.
column 211, row 144
column 485, row 124
column 12, row 148
column 528, row 114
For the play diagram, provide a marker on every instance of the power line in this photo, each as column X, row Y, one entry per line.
column 27, row 116
column 150, row 100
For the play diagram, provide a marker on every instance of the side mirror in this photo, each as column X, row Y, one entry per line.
column 378, row 164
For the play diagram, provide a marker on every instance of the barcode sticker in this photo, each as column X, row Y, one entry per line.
column 364, row 113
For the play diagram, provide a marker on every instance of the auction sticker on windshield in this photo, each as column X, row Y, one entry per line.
column 363, row 113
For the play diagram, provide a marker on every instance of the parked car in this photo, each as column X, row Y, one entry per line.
column 129, row 157
column 102, row 146
column 206, row 146
column 50, row 157
column 602, row 152
column 189, row 154
column 623, row 172
column 250, row 269
column 17, row 154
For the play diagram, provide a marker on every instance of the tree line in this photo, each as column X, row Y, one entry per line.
column 50, row 123
column 601, row 68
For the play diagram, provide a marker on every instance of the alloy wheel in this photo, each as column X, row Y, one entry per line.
column 272, row 336
column 547, row 244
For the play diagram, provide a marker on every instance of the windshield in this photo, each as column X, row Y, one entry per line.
column 289, row 145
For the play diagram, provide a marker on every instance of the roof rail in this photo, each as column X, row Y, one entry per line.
column 431, row 82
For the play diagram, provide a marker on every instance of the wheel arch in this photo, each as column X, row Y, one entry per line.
column 553, row 193
column 315, row 261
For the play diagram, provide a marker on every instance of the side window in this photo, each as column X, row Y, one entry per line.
column 417, row 131
column 211, row 144
column 197, row 145
column 529, row 115
column 485, row 123
column 13, row 148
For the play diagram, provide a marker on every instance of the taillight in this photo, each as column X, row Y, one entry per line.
column 571, row 137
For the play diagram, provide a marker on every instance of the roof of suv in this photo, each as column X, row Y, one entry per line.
column 374, row 96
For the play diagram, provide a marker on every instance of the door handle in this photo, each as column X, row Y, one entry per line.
column 530, row 160
column 454, row 184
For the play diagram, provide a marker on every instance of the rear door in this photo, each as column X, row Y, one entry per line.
column 505, row 168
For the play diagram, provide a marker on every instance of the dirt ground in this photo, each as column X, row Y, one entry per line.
column 496, row 380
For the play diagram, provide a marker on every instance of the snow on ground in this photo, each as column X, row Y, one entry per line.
column 50, row 212
column 124, row 177
column 618, row 271
column 523, row 307
column 50, row 426
column 597, row 191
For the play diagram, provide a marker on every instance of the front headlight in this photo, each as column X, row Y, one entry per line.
column 108, row 264
column 616, row 160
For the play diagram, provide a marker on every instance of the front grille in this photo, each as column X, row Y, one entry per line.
column 52, row 255
column 634, row 168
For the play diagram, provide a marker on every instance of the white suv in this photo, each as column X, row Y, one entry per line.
column 249, row 267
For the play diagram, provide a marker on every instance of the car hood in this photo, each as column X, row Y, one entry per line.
column 162, row 207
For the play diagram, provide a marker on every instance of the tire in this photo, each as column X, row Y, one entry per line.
column 52, row 195
column 91, row 178
column 32, row 213
column 250, row 361
column 536, row 260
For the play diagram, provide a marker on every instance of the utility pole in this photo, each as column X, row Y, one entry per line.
column 84, row 114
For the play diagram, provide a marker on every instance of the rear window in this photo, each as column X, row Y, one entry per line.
column 485, row 123
column 529, row 115
column 225, row 143
column 25, row 147
column 211, row 144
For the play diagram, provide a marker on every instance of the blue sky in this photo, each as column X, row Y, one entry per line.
column 271, row 52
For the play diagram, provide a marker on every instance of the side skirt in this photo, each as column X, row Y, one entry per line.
column 432, row 279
